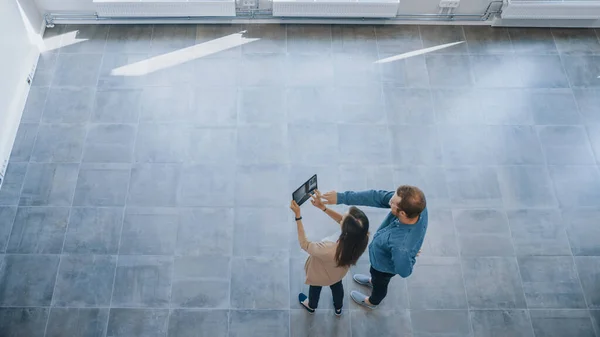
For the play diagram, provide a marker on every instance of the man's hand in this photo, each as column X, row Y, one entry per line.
column 295, row 208
column 330, row 198
column 316, row 200
column 419, row 252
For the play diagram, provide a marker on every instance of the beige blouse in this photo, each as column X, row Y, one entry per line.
column 320, row 267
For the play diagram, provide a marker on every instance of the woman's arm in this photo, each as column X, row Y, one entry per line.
column 302, row 240
column 337, row 217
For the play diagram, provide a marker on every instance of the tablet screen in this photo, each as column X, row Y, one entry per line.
column 303, row 192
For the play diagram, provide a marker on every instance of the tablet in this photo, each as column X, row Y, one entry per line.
column 303, row 192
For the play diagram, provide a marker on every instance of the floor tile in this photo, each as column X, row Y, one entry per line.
column 373, row 147
column 408, row 106
column 44, row 72
column 437, row 36
column 79, row 70
column 161, row 143
column 437, row 283
column 457, row 106
column 398, row 38
column 380, row 322
column 38, row 230
column 428, row 153
column 449, row 71
column 138, row 323
column 149, row 231
column 27, row 280
column 404, row 72
column 313, row 144
column 356, row 39
column 210, row 145
column 583, row 231
column 226, row 71
column 505, row 106
column 259, row 323
column 215, row 106
column 538, row 232
column 84, row 39
column 78, row 274
column 258, row 145
column 12, row 184
column 77, row 322
column 576, row 41
column 441, row 235
column 321, row 324
column 505, row 73
column 440, row 323
column 526, row 186
column 154, row 185
column 566, row 145
column 551, row 282
column 364, row 177
column 172, row 38
column 576, row 185
column 124, row 71
column 532, row 41
column 7, row 217
column 216, row 236
column 554, row 107
column 431, row 179
column 596, row 320
column 263, row 70
column 198, row 323
column 588, row 268
column 34, row 107
column 24, row 142
column 509, row 323
column 94, row 231
column 129, row 39
column 309, row 70
column 142, row 281
column 488, row 40
column 493, row 283
column 582, row 71
column 109, row 143
column 542, row 71
column 359, row 70
column 117, row 106
column 483, row 233
column 271, row 39
column 262, row 232
column 23, row 321
column 588, row 101
column 362, row 105
column 309, row 39
column 59, row 143
column 68, row 105
column 468, row 144
column 207, row 33
column 310, row 105
column 259, row 283
column 166, row 104
column 102, row 185
column 261, row 105
column 206, row 185
column 474, row 187
column 593, row 132
column 555, row 323
column 265, row 178
column 201, row 282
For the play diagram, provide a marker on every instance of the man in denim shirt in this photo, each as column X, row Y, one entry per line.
column 396, row 243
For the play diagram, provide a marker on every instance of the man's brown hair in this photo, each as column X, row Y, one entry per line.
column 412, row 200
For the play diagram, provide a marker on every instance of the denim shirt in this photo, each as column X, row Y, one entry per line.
column 395, row 245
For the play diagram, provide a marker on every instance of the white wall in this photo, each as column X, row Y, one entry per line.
column 406, row 6
column 16, row 60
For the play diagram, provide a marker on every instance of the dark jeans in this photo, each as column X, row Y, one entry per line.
column 380, row 282
column 337, row 290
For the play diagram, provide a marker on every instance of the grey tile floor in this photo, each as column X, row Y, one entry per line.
column 147, row 190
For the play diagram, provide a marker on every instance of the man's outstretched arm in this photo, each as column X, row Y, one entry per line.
column 371, row 198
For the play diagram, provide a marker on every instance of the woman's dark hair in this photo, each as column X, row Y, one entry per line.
column 354, row 238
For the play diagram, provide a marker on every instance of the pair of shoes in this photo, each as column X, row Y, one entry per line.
column 301, row 299
column 338, row 312
column 357, row 296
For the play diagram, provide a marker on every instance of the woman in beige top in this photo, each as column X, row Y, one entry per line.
column 328, row 262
